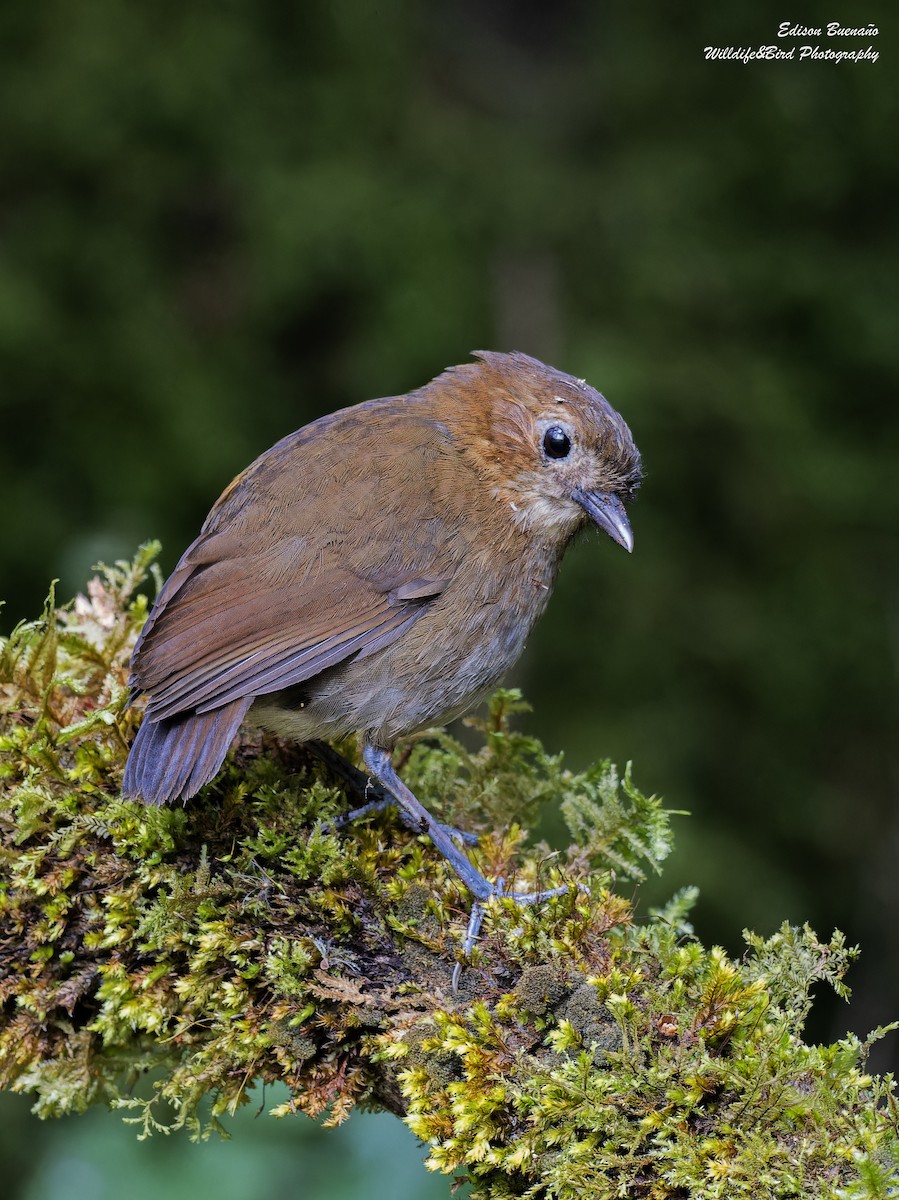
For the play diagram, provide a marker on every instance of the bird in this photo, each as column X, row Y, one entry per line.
column 376, row 573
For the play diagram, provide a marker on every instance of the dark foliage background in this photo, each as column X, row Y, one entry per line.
column 220, row 220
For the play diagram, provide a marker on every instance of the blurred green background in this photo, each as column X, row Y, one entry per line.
column 220, row 220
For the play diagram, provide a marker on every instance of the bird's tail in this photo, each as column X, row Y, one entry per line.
column 173, row 757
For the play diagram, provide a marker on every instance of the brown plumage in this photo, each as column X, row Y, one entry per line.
column 377, row 571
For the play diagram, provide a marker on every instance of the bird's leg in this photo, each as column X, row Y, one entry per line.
column 356, row 782
column 363, row 787
column 379, row 764
column 381, row 769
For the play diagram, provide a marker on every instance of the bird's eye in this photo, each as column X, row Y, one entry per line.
column 556, row 442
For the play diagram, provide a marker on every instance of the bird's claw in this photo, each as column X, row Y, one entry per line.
column 476, row 917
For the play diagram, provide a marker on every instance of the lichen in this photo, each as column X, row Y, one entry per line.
column 164, row 960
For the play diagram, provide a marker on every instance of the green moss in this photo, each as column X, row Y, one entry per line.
column 163, row 960
column 541, row 988
column 704, row 1088
column 593, row 1022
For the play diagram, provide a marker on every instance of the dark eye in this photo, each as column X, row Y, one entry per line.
column 556, row 442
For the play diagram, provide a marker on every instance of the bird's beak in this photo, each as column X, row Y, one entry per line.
column 608, row 513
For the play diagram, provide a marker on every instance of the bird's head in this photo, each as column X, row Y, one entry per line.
column 550, row 446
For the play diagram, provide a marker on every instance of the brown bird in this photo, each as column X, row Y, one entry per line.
column 377, row 572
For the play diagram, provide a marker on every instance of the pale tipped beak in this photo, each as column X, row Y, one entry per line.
column 608, row 513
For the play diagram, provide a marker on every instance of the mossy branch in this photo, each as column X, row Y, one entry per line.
column 165, row 960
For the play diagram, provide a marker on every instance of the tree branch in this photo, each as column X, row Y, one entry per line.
column 245, row 938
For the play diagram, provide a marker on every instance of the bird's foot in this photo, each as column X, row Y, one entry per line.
column 462, row 836
column 482, row 890
column 476, row 918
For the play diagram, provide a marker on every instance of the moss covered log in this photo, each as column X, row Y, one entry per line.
column 163, row 961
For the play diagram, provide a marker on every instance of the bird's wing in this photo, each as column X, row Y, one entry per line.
column 300, row 566
column 228, row 633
